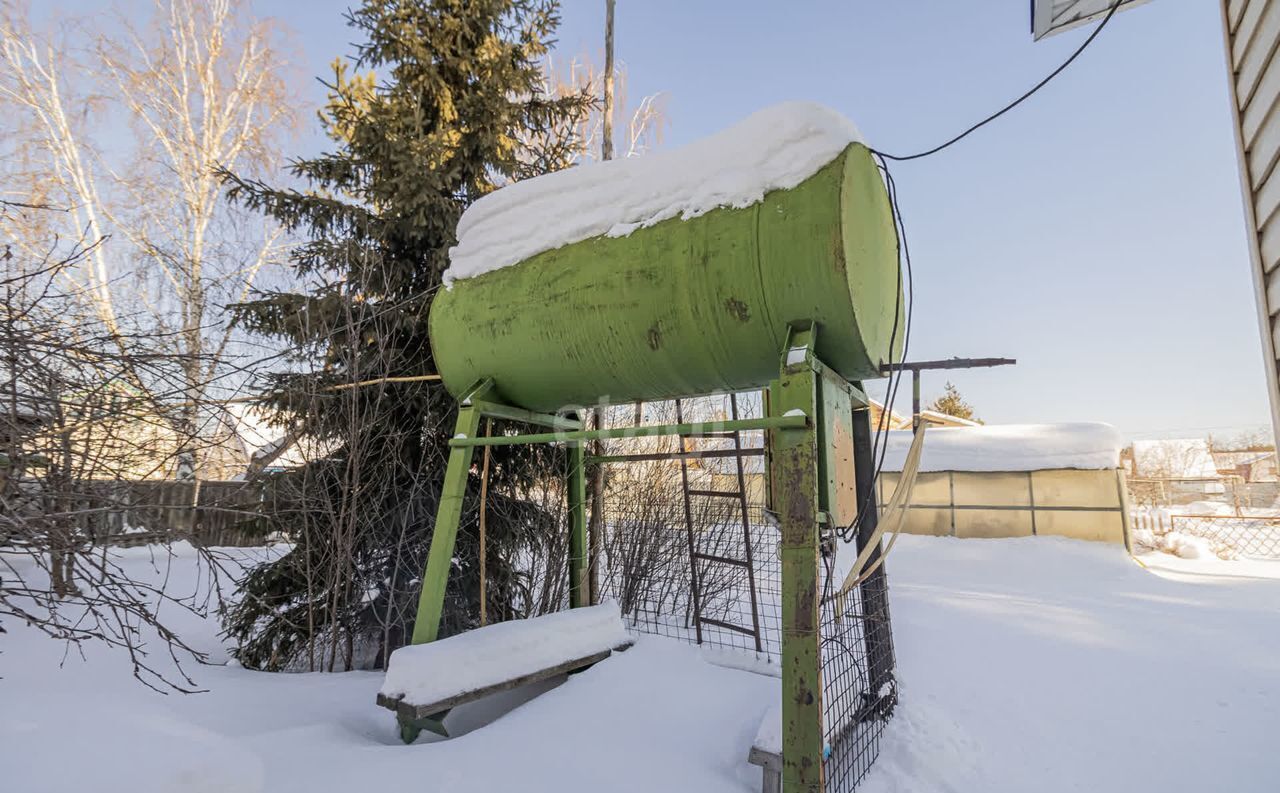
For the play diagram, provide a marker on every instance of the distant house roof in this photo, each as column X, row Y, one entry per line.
column 1178, row 458
column 946, row 419
column 896, row 420
column 15, row 393
column 256, row 429
column 1229, row 460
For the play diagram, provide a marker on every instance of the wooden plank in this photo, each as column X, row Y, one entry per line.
column 1235, row 10
column 764, row 758
column 1244, row 31
column 1258, row 54
column 771, row 765
column 411, row 711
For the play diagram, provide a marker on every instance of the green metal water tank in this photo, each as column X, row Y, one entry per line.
column 685, row 307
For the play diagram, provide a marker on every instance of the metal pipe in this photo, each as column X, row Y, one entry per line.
column 794, row 421
column 693, row 455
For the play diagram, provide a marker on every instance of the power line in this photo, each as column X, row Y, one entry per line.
column 1061, row 68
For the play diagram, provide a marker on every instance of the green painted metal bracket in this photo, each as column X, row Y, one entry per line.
column 410, row 729
column 445, row 533
column 790, row 420
column 859, row 396
column 478, row 390
column 793, row 475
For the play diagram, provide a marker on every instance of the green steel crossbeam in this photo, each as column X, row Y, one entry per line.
column 705, row 454
column 498, row 410
column 791, row 421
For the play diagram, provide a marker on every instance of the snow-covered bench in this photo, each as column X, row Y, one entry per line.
column 425, row 681
column 766, row 750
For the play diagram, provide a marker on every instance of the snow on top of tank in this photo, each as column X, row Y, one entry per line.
column 1010, row 447
column 775, row 148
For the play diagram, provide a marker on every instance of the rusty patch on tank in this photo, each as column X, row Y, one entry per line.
column 738, row 309
column 655, row 337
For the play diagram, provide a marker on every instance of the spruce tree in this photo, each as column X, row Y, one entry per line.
column 430, row 117
column 952, row 404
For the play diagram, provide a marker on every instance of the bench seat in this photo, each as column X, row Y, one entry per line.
column 426, row 681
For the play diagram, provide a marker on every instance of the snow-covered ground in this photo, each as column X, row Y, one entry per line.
column 1050, row 664
column 1026, row 664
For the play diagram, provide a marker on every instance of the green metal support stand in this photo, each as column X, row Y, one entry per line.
column 445, row 533
column 793, row 455
column 578, row 590
column 805, row 448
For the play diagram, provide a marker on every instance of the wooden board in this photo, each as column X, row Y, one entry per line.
column 414, row 712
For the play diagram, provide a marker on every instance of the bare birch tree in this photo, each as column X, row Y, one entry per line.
column 633, row 129
column 72, row 435
column 201, row 86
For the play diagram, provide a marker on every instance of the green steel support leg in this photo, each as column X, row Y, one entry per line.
column 445, row 533
column 793, row 474
column 578, row 590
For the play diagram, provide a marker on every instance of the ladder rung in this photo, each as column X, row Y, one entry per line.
column 710, row 557
column 727, row 626
column 721, row 493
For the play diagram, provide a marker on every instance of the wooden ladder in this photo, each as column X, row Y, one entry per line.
column 696, row 556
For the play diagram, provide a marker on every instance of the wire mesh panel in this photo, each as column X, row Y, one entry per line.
column 1234, row 536
column 675, row 555
column 858, row 686
column 674, row 552
column 645, row 566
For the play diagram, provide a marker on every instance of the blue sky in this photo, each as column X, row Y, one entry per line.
column 1095, row 233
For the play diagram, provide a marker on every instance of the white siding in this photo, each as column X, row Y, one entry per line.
column 1252, row 37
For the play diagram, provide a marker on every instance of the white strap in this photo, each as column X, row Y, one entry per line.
column 893, row 518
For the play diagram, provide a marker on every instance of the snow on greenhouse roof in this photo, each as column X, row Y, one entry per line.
column 1011, row 447
column 775, row 148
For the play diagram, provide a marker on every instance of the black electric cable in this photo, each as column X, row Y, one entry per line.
column 1114, row 7
column 880, row 443
column 879, row 450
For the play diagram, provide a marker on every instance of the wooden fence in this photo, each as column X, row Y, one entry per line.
column 207, row 513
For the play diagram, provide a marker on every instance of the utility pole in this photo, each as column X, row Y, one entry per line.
column 606, row 146
column 595, row 526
